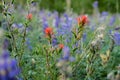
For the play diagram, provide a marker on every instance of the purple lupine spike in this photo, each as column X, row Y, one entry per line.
column 95, row 4
column 14, row 69
column 66, row 53
column 76, row 44
column 17, row 26
column 54, row 41
column 8, row 69
column 60, row 32
column 49, row 14
column 28, row 44
column 57, row 20
column 104, row 13
column 44, row 23
column 84, row 36
column 112, row 20
column 117, row 38
column 65, row 15
column 20, row 25
column 14, row 25
column 5, row 54
column 27, row 41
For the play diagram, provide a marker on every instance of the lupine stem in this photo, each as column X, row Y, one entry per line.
column 10, row 22
column 22, row 46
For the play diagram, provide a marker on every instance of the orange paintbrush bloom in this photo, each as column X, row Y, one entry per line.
column 61, row 46
column 82, row 20
column 29, row 16
column 48, row 31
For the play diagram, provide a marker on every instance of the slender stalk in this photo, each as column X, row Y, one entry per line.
column 48, row 64
column 112, row 46
column 22, row 46
column 14, row 47
column 10, row 22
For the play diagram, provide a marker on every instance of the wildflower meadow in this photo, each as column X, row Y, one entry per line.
column 41, row 44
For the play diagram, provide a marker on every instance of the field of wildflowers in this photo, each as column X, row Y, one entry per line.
column 43, row 45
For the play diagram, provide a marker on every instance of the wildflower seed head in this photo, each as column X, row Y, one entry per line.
column 100, row 36
column 33, row 61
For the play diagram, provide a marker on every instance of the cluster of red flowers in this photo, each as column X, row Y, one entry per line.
column 82, row 20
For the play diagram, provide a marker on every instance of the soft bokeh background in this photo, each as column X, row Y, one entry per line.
column 78, row 6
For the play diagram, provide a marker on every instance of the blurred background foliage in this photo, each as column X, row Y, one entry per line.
column 78, row 6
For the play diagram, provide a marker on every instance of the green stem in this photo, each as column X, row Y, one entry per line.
column 22, row 46
column 48, row 64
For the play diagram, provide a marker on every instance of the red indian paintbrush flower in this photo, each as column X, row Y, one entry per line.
column 82, row 20
column 48, row 31
column 61, row 46
column 29, row 16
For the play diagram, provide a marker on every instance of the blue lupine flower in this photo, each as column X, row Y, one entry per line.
column 44, row 23
column 29, row 29
column 66, row 53
column 28, row 44
column 65, row 26
column 84, row 36
column 54, row 41
column 116, row 37
column 65, row 15
column 76, row 44
column 20, row 25
column 67, row 40
column 104, row 13
column 27, row 41
column 49, row 14
column 60, row 32
column 57, row 21
column 112, row 20
column 8, row 67
column 5, row 54
column 15, row 25
column 95, row 4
